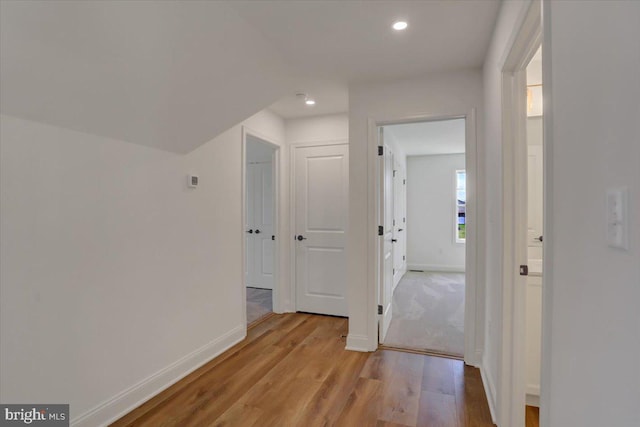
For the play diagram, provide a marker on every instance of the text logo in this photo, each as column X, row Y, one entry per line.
column 35, row 415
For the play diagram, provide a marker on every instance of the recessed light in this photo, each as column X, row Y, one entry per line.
column 310, row 101
column 400, row 25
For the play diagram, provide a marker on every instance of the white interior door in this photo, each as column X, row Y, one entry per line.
column 249, row 253
column 535, row 198
column 399, row 223
column 321, row 201
column 386, row 219
column 260, row 227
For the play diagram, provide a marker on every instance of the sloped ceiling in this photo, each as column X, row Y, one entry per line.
column 175, row 74
column 170, row 75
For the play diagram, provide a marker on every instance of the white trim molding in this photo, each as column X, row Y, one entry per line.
column 489, row 391
column 129, row 399
column 358, row 343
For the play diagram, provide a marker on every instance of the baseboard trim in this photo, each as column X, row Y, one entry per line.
column 532, row 400
column 440, row 268
column 129, row 399
column 358, row 343
column 490, row 391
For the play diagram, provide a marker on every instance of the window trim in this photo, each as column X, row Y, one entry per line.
column 456, row 237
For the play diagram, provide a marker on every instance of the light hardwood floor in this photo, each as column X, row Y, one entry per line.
column 293, row 370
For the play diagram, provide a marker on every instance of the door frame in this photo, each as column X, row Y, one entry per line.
column 277, row 229
column 512, row 379
column 474, row 307
column 292, row 208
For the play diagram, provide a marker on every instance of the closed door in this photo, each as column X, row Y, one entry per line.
column 259, row 249
column 321, row 200
column 386, row 253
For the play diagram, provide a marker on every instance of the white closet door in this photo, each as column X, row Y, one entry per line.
column 259, row 226
column 321, row 202
column 263, row 225
column 386, row 290
column 399, row 226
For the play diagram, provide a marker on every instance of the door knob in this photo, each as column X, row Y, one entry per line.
column 257, row 231
column 539, row 238
column 250, row 231
column 394, row 240
column 301, row 238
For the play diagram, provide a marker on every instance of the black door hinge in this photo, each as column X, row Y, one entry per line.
column 273, row 237
column 380, row 150
column 524, row 270
column 393, row 271
column 380, row 230
column 379, row 309
column 404, row 181
column 404, row 257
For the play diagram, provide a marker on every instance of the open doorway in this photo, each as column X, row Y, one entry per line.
column 260, row 214
column 423, row 266
column 533, row 297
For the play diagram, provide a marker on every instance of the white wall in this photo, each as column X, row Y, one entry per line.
column 431, row 216
column 433, row 95
column 331, row 127
column 116, row 278
column 591, row 334
column 511, row 12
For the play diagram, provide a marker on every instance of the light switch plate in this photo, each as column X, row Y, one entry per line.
column 617, row 218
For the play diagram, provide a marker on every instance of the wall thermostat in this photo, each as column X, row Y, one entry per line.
column 192, row 181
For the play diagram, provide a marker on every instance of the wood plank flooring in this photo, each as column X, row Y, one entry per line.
column 532, row 415
column 293, row 370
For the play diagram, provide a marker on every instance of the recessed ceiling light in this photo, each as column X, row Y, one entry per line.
column 400, row 25
column 310, row 102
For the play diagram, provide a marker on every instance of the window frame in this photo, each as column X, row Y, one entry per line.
column 456, row 205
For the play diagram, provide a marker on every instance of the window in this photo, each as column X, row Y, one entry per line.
column 460, row 225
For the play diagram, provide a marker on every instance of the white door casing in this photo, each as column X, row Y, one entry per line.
column 386, row 254
column 321, row 192
column 260, row 225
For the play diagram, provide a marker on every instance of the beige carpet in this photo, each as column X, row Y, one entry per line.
column 259, row 304
column 428, row 313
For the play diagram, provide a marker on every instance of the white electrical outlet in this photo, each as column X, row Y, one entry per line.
column 617, row 218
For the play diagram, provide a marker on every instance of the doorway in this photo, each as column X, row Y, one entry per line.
column 535, row 238
column 260, row 233
column 523, row 198
column 424, row 236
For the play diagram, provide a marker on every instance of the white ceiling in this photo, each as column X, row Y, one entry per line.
column 175, row 74
column 429, row 138
column 333, row 43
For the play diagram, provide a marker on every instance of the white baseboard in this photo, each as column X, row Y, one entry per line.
column 476, row 359
column 129, row 399
column 490, row 391
column 358, row 343
column 532, row 400
column 441, row 268
column 533, row 395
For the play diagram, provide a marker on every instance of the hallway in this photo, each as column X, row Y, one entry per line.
column 293, row 370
